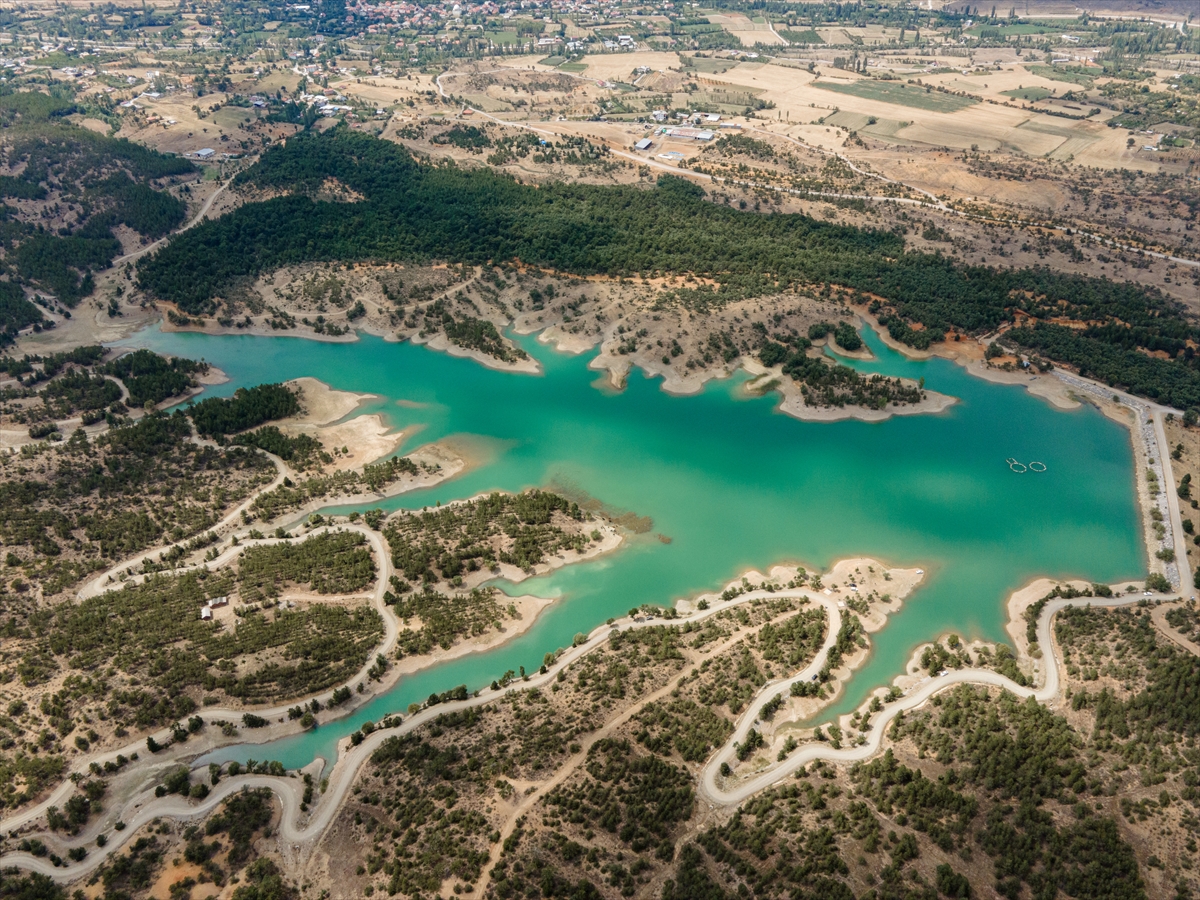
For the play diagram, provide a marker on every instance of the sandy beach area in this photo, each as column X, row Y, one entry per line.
column 439, row 342
column 362, row 439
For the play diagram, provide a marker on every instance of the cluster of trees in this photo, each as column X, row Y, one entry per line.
column 824, row 383
column 31, row 773
column 148, row 378
column 571, row 150
column 135, row 869
column 244, row 817
column 246, row 409
column 444, row 618
column 469, row 332
column 1184, row 619
column 151, row 378
column 465, row 137
column 442, row 544
column 111, row 180
column 424, row 785
column 418, row 212
column 301, row 450
column 37, row 368
column 794, row 642
column 1020, row 756
column 932, row 807
column 844, row 334
column 79, row 391
column 15, row 312
column 640, row 798
column 1164, row 706
column 691, row 730
column 433, row 823
column 373, row 478
column 331, row 563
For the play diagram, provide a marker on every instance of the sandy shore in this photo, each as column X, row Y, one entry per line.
column 868, row 576
column 440, row 342
column 1032, row 661
column 364, row 438
column 563, row 341
column 1065, row 390
column 448, row 465
column 257, row 329
column 324, row 405
column 1045, row 386
column 528, row 609
column 792, row 402
column 212, row 377
column 969, row 354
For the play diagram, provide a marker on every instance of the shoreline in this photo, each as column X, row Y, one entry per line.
column 1118, row 411
column 912, row 696
column 438, row 342
column 1065, row 391
column 305, row 830
column 529, row 609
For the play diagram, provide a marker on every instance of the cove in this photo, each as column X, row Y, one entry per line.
column 734, row 485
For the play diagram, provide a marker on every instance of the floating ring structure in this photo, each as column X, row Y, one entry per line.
column 1036, row 466
column 1017, row 467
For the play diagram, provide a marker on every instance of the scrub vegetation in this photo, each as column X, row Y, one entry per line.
column 372, row 479
column 71, row 508
column 153, row 632
column 330, row 563
column 979, row 791
column 436, row 551
column 521, row 530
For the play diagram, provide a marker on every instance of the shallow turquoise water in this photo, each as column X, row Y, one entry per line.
column 736, row 485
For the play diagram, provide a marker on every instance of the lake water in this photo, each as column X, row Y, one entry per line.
column 734, row 485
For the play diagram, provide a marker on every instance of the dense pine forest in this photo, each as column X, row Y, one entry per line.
column 103, row 181
column 419, row 212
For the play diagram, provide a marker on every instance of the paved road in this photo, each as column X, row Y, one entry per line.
column 1150, row 418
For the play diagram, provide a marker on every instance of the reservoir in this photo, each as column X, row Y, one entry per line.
column 730, row 485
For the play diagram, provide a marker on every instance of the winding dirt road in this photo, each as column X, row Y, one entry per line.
column 723, row 792
column 193, row 222
column 300, row 832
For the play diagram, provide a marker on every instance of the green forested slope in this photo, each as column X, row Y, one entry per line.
column 416, row 212
column 103, row 181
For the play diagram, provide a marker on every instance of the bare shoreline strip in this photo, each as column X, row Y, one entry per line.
column 303, row 830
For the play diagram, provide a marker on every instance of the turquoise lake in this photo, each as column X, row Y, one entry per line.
column 734, row 485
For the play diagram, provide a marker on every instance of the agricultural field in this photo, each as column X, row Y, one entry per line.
column 1029, row 93
column 902, row 95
